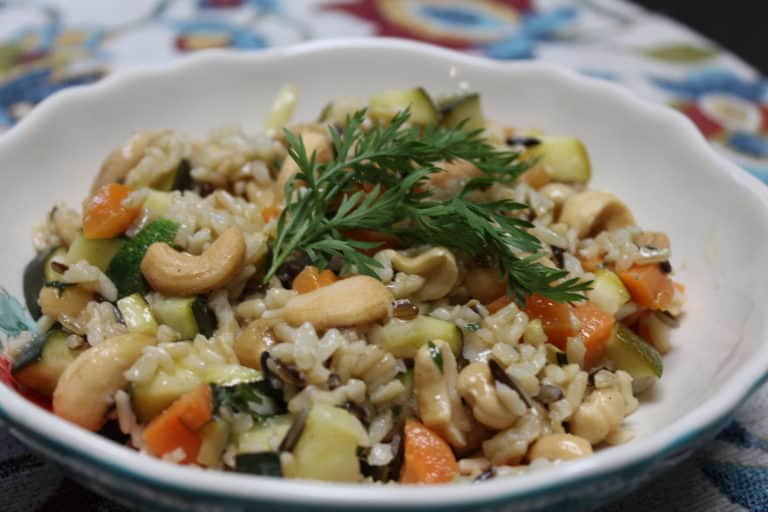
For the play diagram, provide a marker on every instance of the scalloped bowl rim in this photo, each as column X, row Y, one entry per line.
column 23, row 415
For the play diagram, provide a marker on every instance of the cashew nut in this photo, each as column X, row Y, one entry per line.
column 314, row 143
column 440, row 406
column 68, row 301
column 358, row 300
column 85, row 389
column 485, row 283
column 437, row 266
column 510, row 445
column 121, row 160
column 592, row 211
column 598, row 416
column 454, row 175
column 493, row 409
column 559, row 447
column 558, row 193
column 176, row 274
column 252, row 341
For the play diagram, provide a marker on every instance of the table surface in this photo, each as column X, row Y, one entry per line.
column 49, row 45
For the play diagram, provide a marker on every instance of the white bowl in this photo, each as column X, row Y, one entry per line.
column 715, row 214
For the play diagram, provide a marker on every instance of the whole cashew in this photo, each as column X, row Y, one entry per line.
column 593, row 211
column 559, row 447
column 252, row 341
column 440, row 406
column 85, row 389
column 437, row 266
column 490, row 408
column 177, row 274
column 69, row 301
column 599, row 415
column 454, row 175
column 558, row 193
column 357, row 300
column 121, row 160
column 315, row 143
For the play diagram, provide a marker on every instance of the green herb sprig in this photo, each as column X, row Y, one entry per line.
column 374, row 183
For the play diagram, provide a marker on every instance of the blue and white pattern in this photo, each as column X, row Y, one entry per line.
column 46, row 46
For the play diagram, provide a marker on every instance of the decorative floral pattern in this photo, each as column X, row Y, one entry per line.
column 47, row 46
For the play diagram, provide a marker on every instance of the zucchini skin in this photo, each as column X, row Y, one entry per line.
column 34, row 279
column 180, row 179
column 125, row 268
column 42, row 362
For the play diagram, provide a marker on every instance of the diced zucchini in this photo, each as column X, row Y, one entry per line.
column 38, row 272
column 403, row 338
column 179, row 179
column 231, row 374
column 385, row 105
column 463, row 108
column 151, row 398
column 608, row 291
column 282, row 108
column 629, row 352
column 137, row 315
column 43, row 361
column 124, row 269
column 327, row 449
column 564, row 158
column 157, row 203
column 215, row 438
column 266, row 435
column 188, row 316
column 97, row 252
column 259, row 463
column 336, row 112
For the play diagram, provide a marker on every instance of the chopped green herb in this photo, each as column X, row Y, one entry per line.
column 436, row 355
column 393, row 162
column 253, row 398
column 473, row 327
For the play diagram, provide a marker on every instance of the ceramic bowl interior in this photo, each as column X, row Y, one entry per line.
column 715, row 214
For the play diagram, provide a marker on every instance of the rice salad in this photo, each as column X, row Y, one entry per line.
column 402, row 291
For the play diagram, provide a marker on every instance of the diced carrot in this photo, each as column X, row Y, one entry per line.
column 387, row 241
column 555, row 318
column 104, row 215
column 179, row 425
column 310, row 279
column 591, row 264
column 327, row 277
column 428, row 459
column 270, row 212
column 307, row 280
column 596, row 328
column 497, row 304
column 649, row 286
column 535, row 177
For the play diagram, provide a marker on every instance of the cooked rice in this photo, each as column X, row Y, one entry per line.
column 234, row 171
